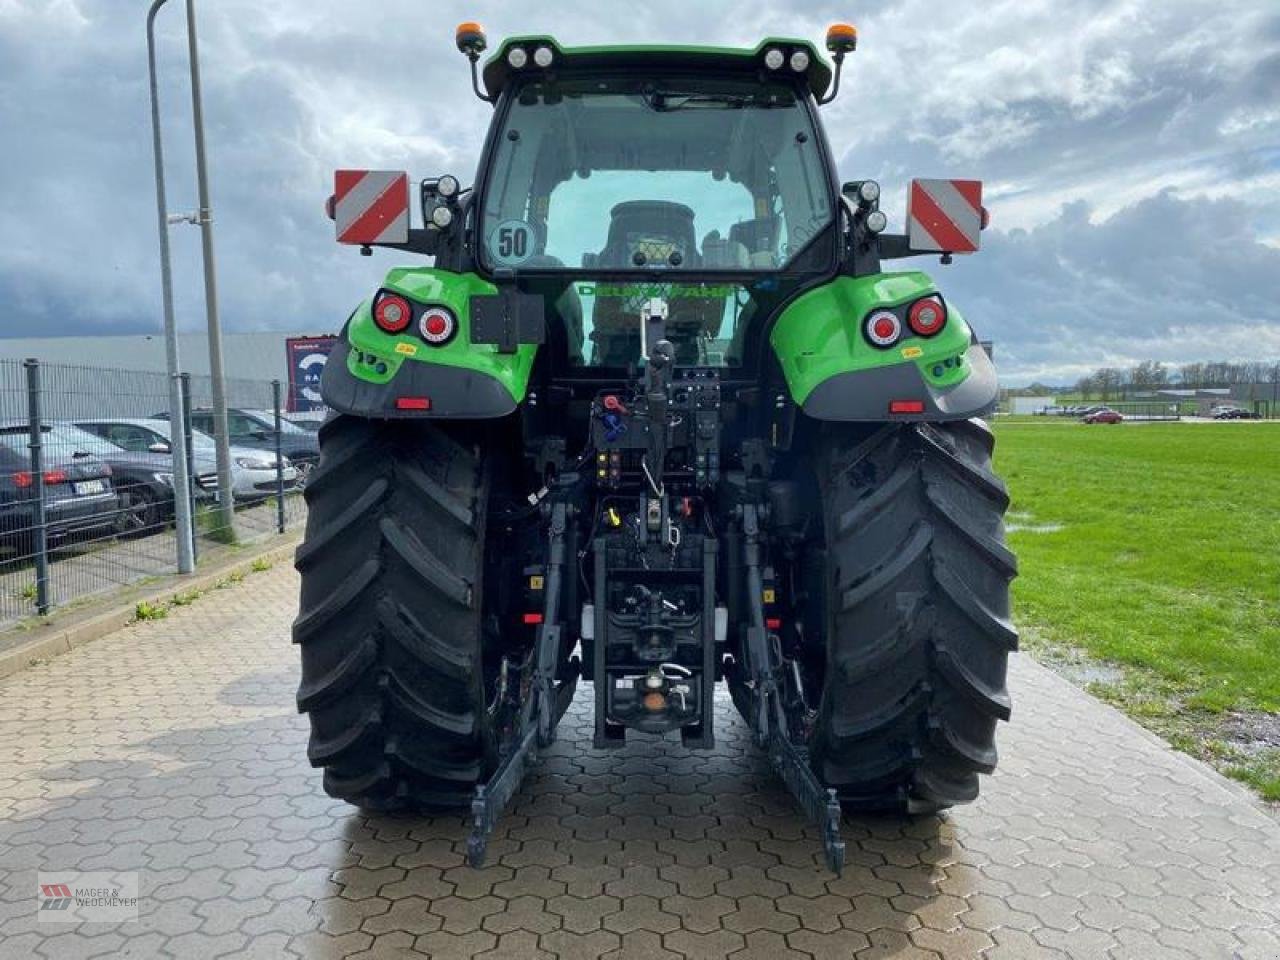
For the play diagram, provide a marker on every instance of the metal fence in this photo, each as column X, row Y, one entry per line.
column 87, row 491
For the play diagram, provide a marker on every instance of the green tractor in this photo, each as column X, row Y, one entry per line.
column 656, row 418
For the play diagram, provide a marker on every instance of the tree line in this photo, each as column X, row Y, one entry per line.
column 1107, row 383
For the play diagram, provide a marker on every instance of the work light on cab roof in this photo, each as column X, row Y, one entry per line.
column 522, row 56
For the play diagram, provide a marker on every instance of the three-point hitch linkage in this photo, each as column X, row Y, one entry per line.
column 653, row 625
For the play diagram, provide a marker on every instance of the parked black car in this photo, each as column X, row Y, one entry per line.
column 256, row 428
column 143, row 478
column 78, row 494
column 1233, row 413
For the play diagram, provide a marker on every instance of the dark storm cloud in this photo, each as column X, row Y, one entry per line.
column 1131, row 152
column 1172, row 279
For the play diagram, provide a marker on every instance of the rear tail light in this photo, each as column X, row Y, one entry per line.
column 392, row 313
column 927, row 316
column 24, row 479
column 413, row 403
column 437, row 326
column 883, row 328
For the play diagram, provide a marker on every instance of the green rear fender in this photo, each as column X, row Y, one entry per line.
column 371, row 371
column 834, row 373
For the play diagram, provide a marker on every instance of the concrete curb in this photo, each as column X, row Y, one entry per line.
column 63, row 639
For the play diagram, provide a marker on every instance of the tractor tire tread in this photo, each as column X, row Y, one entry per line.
column 917, row 630
column 390, row 627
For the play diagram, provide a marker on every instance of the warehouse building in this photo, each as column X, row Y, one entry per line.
column 249, row 356
column 295, row 359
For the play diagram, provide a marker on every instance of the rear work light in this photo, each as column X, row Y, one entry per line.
column 437, row 326
column 392, row 313
column 883, row 328
column 927, row 316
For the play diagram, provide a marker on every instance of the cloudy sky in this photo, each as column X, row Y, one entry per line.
column 1130, row 150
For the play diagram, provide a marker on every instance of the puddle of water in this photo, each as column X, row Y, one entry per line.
column 1254, row 728
column 1017, row 527
column 1024, row 521
column 1082, row 674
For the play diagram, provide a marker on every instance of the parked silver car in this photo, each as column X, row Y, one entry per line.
column 253, row 472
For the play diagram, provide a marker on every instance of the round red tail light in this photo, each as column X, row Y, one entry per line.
column 437, row 326
column 927, row 316
column 883, row 328
column 392, row 313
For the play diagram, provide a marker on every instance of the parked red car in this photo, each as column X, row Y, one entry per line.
column 1105, row 415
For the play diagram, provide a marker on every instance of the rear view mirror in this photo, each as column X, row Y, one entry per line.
column 159, row 447
column 370, row 206
column 945, row 216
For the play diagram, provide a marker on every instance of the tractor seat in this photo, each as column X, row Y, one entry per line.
column 656, row 230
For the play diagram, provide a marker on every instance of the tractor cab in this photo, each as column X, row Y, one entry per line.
column 623, row 180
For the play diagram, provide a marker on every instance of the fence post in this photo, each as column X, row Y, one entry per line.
column 275, row 406
column 184, row 389
column 184, row 521
column 40, row 529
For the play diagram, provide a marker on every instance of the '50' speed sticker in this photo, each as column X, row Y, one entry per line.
column 511, row 243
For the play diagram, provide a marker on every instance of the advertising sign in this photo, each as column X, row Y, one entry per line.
column 307, row 356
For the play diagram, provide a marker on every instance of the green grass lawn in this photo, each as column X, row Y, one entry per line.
column 1155, row 546
column 1168, row 552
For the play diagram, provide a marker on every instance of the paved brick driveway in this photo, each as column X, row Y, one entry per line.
column 172, row 749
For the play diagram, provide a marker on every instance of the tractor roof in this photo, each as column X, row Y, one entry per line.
column 652, row 58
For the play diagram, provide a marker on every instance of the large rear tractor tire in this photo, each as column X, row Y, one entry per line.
column 391, row 625
column 913, row 614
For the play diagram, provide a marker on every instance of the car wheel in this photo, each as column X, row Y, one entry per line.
column 139, row 511
column 304, row 468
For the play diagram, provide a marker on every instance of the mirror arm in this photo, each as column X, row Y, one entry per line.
column 474, row 57
column 896, row 246
column 424, row 241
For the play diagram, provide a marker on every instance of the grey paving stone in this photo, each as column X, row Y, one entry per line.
column 172, row 748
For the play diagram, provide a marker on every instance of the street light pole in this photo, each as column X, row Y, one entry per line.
column 181, row 481
column 225, row 504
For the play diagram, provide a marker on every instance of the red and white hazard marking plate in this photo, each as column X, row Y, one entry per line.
column 944, row 215
column 371, row 206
